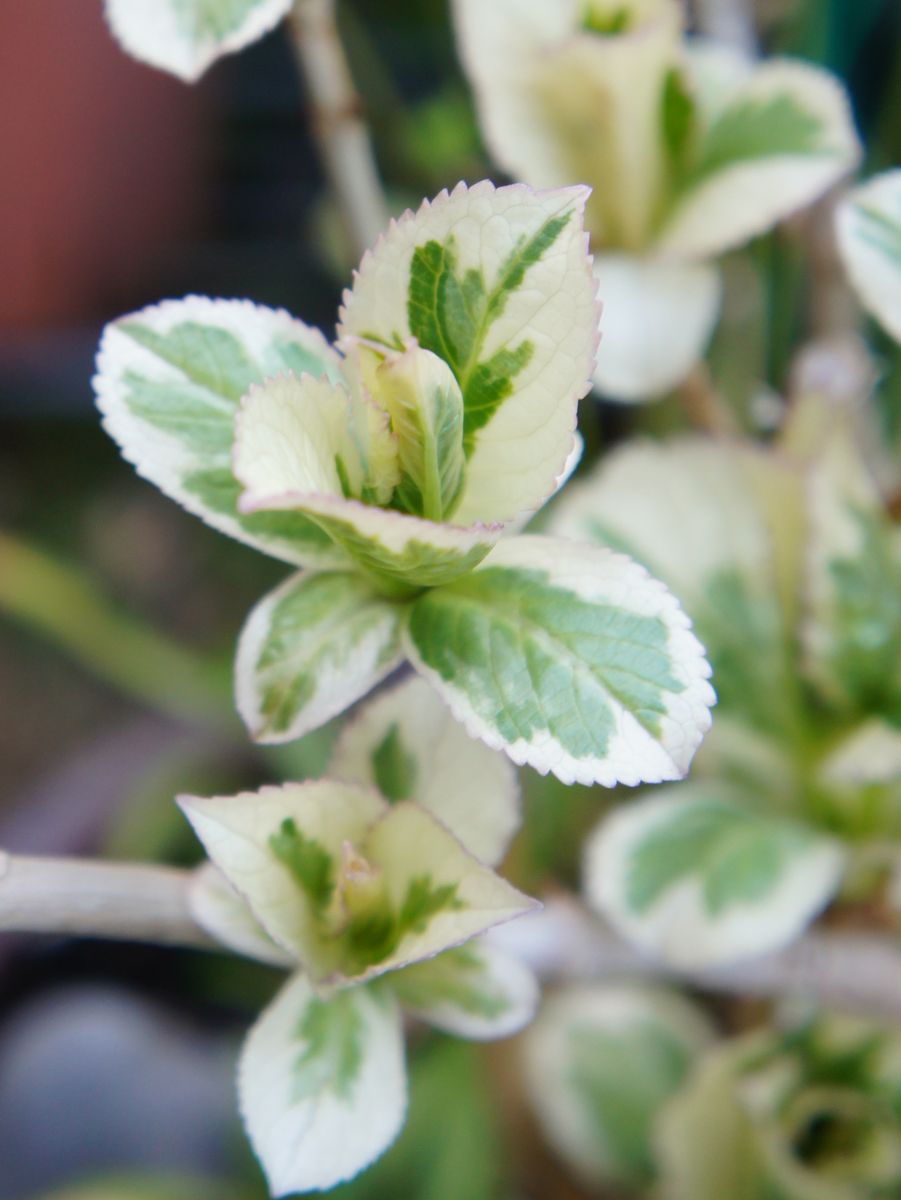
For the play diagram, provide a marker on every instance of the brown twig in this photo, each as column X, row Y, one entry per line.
column 337, row 122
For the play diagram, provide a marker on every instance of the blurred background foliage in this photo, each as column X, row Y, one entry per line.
column 118, row 613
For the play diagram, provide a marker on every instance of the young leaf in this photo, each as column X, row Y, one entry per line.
column 425, row 405
column 254, row 839
column 804, row 1114
column 294, row 435
column 557, row 102
column 442, row 896
column 474, row 991
column 868, row 224
column 601, row 1064
column 569, row 658
column 169, row 380
column 658, row 318
column 698, row 877
column 226, row 916
column 184, row 37
column 322, row 1085
column 780, row 140
column 311, row 648
column 406, row 744
column 711, row 1108
column 496, row 282
column 295, row 453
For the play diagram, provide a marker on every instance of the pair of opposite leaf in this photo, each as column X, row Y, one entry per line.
column 632, row 1087
column 391, row 465
column 369, row 884
column 692, row 150
column 789, row 562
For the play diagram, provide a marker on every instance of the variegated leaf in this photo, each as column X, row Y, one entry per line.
column 852, row 628
column 698, row 877
column 683, row 508
column 571, row 659
column 601, row 1063
column 280, row 848
column 566, row 91
column 295, row 453
column 868, row 223
column 184, row 37
column 690, row 510
column 429, row 873
column 406, row 744
column 322, row 1085
column 225, row 915
column 475, row 991
column 348, row 886
column 497, row 283
column 658, row 318
column 312, row 647
column 780, row 140
column 425, row 405
column 169, row 381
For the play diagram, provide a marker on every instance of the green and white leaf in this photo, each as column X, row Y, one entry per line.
column 779, row 142
column 497, row 283
column 868, row 225
column 601, row 1063
column 184, row 37
column 658, row 318
column 294, row 443
column 852, row 630
column 497, row 44
column 169, row 381
column 310, row 649
column 475, row 991
column 558, row 102
column 226, row 916
column 571, row 659
column 294, row 435
column 322, row 1085
column 289, row 890
column 407, row 745
column 689, row 510
column 447, row 895
column 399, row 552
column 684, row 508
column 698, row 877
column 425, row 405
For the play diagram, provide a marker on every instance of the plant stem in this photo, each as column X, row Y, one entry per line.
column 703, row 406
column 337, row 122
column 85, row 898
column 858, row 973
column 78, row 897
column 64, row 605
column 728, row 21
